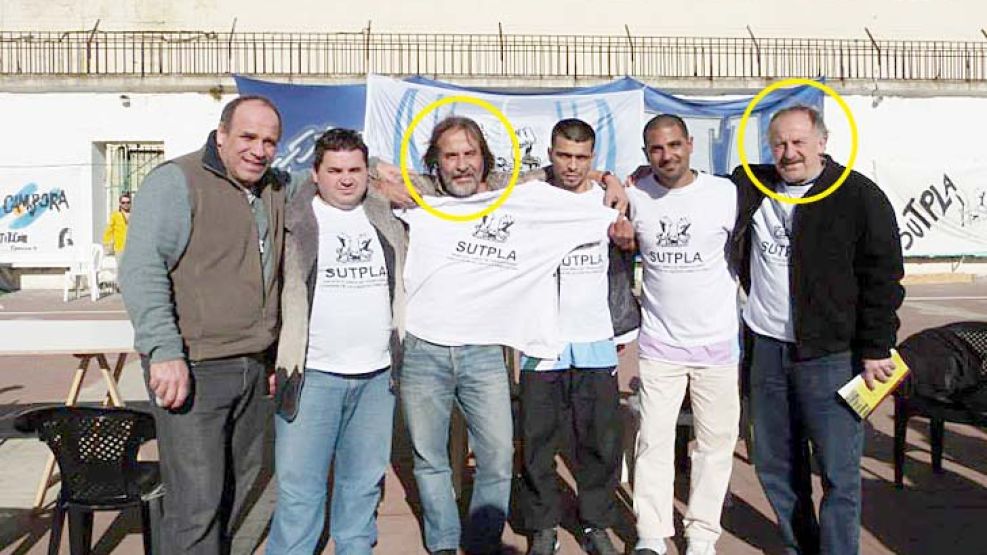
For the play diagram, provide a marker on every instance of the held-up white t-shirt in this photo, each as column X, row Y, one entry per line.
column 491, row 281
column 769, row 310
column 584, row 286
column 689, row 294
column 350, row 326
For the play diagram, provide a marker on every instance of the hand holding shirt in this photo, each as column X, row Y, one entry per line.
column 491, row 281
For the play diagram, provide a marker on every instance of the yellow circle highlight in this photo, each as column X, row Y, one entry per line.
column 854, row 141
column 404, row 158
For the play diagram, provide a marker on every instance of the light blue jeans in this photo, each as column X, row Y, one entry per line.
column 351, row 418
column 475, row 378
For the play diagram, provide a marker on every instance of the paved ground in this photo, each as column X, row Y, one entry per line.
column 933, row 514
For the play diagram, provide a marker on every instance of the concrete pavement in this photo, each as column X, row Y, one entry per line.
column 933, row 514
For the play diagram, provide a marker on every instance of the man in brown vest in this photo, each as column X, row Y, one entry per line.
column 200, row 282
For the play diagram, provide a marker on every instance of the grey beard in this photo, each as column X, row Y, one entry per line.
column 458, row 191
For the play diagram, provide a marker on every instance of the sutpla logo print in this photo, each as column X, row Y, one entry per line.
column 489, row 245
column 350, row 251
column 781, row 235
column 674, row 234
column 355, row 265
column 494, row 228
column 671, row 250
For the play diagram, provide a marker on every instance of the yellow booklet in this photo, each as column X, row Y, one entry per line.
column 862, row 400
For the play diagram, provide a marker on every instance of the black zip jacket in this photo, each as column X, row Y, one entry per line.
column 846, row 263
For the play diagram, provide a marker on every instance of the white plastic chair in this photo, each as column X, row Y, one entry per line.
column 108, row 271
column 87, row 268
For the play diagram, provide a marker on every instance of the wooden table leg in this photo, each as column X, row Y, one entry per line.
column 80, row 374
column 117, row 371
column 73, row 396
column 111, row 383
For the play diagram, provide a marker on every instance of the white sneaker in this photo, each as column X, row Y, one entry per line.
column 701, row 548
column 651, row 548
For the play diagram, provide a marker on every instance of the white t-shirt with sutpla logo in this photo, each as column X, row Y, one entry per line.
column 350, row 325
column 769, row 310
column 689, row 295
column 492, row 281
column 584, row 286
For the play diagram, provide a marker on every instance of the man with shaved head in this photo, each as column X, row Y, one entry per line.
column 689, row 341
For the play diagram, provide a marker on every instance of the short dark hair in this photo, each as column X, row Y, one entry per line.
column 664, row 120
column 471, row 128
column 339, row 140
column 226, row 118
column 574, row 130
column 814, row 117
column 124, row 196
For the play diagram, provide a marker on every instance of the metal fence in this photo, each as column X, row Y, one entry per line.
column 183, row 53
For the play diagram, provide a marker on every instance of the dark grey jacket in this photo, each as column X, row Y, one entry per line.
column 624, row 308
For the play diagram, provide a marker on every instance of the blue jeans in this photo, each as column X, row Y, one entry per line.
column 351, row 417
column 475, row 378
column 794, row 405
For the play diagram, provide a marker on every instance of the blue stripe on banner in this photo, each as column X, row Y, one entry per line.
column 721, row 152
column 611, row 160
column 575, row 109
column 437, row 113
column 558, row 110
column 398, row 129
column 601, row 138
column 406, row 112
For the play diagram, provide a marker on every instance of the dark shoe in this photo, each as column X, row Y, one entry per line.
column 497, row 549
column 444, row 552
column 543, row 542
column 596, row 541
column 645, row 552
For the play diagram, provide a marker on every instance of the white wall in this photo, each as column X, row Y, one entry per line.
column 911, row 147
column 905, row 19
column 939, row 131
column 49, row 132
column 934, row 135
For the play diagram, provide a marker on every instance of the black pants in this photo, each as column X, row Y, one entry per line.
column 588, row 401
column 211, row 453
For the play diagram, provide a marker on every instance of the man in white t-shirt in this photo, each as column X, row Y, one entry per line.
column 578, row 389
column 453, row 353
column 823, row 282
column 682, row 221
column 342, row 318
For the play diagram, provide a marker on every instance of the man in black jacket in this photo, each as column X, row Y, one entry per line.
column 822, row 280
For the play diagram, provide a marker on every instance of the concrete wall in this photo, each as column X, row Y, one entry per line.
column 62, row 129
column 902, row 19
column 59, row 131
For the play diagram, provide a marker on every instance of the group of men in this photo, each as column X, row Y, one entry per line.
column 234, row 269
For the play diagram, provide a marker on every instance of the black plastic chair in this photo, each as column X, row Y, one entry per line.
column 96, row 450
column 907, row 403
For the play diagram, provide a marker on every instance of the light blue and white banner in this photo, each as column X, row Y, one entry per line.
column 615, row 116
